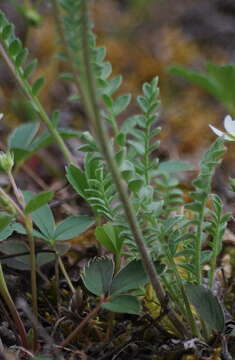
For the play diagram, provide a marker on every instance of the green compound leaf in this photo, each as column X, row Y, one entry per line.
column 71, row 227
column 132, row 276
column 123, row 304
column 207, row 306
column 38, row 201
column 43, row 218
column 97, row 275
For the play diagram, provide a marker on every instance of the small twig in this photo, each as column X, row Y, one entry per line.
column 75, row 332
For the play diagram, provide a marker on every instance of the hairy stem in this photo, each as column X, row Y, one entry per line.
column 12, row 202
column 102, row 137
column 198, row 244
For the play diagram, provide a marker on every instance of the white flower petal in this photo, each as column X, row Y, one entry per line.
column 229, row 124
column 217, row 131
column 1, row 116
column 227, row 137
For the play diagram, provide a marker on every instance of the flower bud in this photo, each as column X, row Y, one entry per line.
column 6, row 161
column 7, row 205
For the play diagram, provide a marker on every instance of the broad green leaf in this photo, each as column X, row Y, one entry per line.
column 5, row 220
column 107, row 236
column 11, row 247
column 135, row 185
column 77, row 179
column 207, row 306
column 46, row 138
column 123, row 304
column 97, row 275
column 72, row 226
column 22, row 136
column 6, row 232
column 38, row 201
column 43, row 218
column 22, row 262
column 21, row 230
column 121, row 103
column 132, row 276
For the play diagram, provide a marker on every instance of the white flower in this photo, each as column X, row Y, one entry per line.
column 229, row 125
column 1, row 116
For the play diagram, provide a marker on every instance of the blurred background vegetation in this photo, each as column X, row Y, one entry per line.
column 144, row 38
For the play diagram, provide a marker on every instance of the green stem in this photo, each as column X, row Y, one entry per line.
column 62, row 268
column 180, row 285
column 172, row 293
column 33, row 263
column 146, row 155
column 215, row 252
column 37, row 105
column 102, row 137
column 11, row 306
column 198, row 244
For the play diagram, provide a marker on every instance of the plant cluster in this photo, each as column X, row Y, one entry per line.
column 149, row 237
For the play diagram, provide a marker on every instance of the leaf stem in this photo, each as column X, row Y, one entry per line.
column 33, row 263
column 66, row 276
